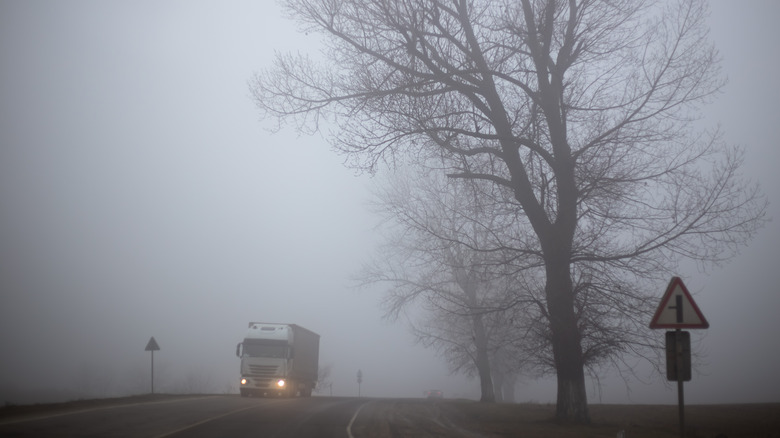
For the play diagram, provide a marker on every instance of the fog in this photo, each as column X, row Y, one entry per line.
column 141, row 196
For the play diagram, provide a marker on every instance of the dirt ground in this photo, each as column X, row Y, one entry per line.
column 467, row 419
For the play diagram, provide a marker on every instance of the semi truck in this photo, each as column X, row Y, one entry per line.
column 278, row 360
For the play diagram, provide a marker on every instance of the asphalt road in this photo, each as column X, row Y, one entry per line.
column 210, row 416
column 233, row 416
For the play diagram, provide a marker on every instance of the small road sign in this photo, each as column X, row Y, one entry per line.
column 678, row 310
column 152, row 345
column 678, row 360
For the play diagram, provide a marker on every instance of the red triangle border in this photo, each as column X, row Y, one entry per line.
column 677, row 281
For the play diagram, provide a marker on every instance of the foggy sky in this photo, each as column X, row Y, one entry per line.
column 140, row 196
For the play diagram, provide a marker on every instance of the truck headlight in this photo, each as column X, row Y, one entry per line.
column 281, row 383
column 243, row 381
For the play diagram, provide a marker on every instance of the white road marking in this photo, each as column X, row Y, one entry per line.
column 349, row 426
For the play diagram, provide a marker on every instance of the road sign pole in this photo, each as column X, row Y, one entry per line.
column 151, row 346
column 152, row 371
column 677, row 311
column 679, row 367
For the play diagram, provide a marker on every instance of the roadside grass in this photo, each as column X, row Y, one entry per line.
column 636, row 421
column 14, row 411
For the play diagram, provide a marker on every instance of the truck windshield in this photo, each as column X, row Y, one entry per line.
column 259, row 350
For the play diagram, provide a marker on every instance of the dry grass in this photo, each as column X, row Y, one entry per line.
column 16, row 411
column 467, row 419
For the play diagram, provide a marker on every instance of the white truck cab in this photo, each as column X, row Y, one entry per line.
column 278, row 359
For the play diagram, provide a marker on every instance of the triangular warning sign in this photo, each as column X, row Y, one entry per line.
column 677, row 309
column 152, row 345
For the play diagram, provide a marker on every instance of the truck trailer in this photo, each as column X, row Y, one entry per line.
column 278, row 360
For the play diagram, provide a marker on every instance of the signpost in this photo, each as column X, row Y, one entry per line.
column 152, row 346
column 359, row 380
column 677, row 311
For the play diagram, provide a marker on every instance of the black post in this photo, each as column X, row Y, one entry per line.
column 679, row 367
column 151, row 346
column 152, row 371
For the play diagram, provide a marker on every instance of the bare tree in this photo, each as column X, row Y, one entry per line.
column 580, row 110
column 505, row 372
column 325, row 379
column 432, row 257
column 460, row 333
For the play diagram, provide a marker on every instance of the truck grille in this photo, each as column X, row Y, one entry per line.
column 262, row 370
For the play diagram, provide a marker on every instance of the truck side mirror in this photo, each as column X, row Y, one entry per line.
column 238, row 349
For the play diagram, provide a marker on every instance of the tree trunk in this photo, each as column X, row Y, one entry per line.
column 483, row 361
column 498, row 385
column 508, row 388
column 485, row 382
column 572, row 402
column 468, row 283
